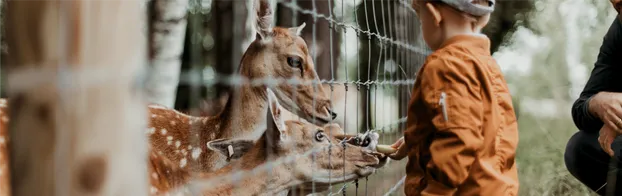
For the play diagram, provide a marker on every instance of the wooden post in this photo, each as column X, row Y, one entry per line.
column 77, row 119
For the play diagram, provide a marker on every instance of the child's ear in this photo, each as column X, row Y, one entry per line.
column 435, row 13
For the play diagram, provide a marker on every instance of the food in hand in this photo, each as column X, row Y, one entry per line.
column 385, row 149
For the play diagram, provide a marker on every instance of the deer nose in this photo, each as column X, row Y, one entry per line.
column 332, row 114
column 366, row 141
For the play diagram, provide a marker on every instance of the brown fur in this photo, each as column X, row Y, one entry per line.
column 301, row 137
column 244, row 111
column 266, row 57
column 5, row 185
column 241, row 116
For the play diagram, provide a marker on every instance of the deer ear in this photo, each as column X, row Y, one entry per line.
column 231, row 148
column 264, row 17
column 297, row 30
column 275, row 123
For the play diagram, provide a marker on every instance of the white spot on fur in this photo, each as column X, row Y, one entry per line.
column 189, row 147
column 204, row 120
column 169, row 143
column 169, row 138
column 154, row 175
column 195, row 153
column 5, row 119
column 177, row 144
column 163, row 131
column 2, row 140
column 153, row 190
column 160, row 152
column 173, row 123
column 217, row 126
column 184, row 152
column 183, row 162
column 212, row 135
column 153, row 116
column 177, row 151
column 151, row 130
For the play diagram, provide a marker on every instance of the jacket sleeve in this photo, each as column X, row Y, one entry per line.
column 604, row 77
column 452, row 91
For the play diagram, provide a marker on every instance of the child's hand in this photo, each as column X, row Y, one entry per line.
column 401, row 150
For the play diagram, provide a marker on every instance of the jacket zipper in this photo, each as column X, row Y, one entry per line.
column 443, row 104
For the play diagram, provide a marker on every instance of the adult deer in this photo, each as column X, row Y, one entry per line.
column 307, row 146
column 166, row 174
column 276, row 53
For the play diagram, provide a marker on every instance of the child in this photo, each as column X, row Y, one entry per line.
column 462, row 133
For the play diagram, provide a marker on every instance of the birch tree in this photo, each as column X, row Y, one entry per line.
column 167, row 32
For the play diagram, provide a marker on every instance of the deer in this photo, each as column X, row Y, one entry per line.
column 281, row 139
column 275, row 53
column 165, row 174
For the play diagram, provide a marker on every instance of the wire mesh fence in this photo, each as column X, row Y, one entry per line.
column 365, row 55
column 380, row 50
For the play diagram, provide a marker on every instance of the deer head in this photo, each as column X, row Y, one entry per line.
column 281, row 53
column 319, row 157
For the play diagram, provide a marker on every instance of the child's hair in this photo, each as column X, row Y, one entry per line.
column 473, row 19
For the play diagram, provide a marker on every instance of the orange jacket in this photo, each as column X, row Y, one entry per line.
column 461, row 131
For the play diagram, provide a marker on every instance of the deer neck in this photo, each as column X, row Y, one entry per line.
column 268, row 182
column 244, row 113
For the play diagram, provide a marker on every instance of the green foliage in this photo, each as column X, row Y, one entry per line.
column 559, row 48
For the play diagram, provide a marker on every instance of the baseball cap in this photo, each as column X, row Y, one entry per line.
column 470, row 7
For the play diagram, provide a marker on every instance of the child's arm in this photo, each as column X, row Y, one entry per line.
column 452, row 91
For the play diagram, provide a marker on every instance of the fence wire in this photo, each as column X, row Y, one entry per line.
column 396, row 50
column 381, row 74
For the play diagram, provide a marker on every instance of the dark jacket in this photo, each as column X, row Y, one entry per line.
column 606, row 76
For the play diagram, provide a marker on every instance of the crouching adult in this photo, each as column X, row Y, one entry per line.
column 593, row 154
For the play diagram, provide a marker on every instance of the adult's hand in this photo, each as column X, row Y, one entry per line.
column 606, row 137
column 608, row 107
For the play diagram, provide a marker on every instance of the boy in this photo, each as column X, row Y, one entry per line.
column 462, row 133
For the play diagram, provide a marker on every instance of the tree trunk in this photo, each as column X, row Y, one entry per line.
column 321, row 45
column 228, row 48
column 166, row 38
column 369, row 55
column 75, row 112
column 225, row 36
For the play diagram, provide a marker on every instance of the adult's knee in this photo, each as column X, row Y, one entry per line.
column 574, row 151
column 585, row 159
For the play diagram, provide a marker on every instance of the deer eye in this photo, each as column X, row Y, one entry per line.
column 319, row 136
column 294, row 62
